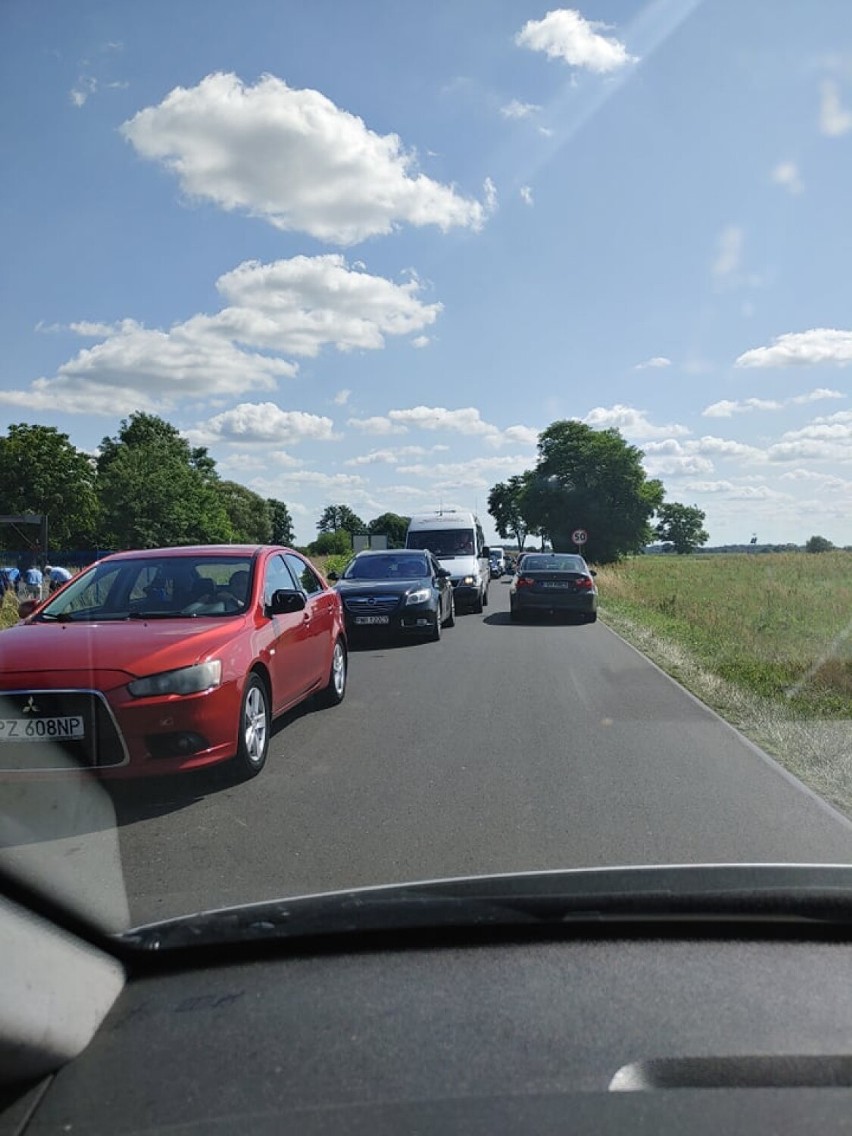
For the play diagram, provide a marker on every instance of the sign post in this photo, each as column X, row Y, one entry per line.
column 579, row 536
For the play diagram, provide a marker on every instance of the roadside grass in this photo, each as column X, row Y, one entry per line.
column 8, row 610
column 765, row 640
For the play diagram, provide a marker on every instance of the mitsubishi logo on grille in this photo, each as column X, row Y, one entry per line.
column 30, row 706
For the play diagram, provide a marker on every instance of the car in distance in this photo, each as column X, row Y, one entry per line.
column 456, row 540
column 551, row 582
column 497, row 562
column 404, row 591
column 169, row 660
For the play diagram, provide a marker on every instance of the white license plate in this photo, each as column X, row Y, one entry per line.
column 554, row 584
column 362, row 620
column 31, row 729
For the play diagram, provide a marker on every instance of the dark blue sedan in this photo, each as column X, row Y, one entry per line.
column 405, row 591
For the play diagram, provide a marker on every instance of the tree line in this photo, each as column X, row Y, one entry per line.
column 146, row 487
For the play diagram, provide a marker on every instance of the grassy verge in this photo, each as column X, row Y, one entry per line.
column 8, row 610
column 764, row 640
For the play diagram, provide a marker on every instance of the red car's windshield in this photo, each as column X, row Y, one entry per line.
column 159, row 586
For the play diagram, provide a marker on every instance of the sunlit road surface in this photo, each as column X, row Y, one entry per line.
column 501, row 748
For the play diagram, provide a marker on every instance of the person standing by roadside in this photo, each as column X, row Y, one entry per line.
column 56, row 577
column 33, row 580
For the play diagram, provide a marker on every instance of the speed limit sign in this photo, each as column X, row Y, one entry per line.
column 579, row 536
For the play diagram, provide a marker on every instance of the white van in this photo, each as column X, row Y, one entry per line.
column 456, row 540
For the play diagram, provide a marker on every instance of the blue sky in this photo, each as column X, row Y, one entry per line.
column 366, row 251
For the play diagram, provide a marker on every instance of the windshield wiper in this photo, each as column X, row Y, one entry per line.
column 708, row 894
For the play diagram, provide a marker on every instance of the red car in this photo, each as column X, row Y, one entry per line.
column 167, row 660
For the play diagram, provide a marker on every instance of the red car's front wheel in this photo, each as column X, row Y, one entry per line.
column 254, row 728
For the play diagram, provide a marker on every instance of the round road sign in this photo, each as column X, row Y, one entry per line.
column 579, row 536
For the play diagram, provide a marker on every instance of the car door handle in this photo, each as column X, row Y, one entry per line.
column 306, row 615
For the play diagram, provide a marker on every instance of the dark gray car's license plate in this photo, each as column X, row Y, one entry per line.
column 362, row 620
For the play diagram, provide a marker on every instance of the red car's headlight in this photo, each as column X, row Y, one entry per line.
column 187, row 680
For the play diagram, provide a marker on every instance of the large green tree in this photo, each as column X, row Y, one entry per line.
column 336, row 517
column 393, row 526
column 681, row 526
column 281, row 521
column 247, row 511
column 156, row 490
column 593, row 480
column 506, row 504
column 42, row 472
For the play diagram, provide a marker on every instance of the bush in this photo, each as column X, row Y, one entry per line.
column 818, row 544
column 331, row 544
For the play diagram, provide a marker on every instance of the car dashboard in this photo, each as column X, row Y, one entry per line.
column 595, row 1029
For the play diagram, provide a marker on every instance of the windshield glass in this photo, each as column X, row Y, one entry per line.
column 390, row 567
column 310, row 291
column 444, row 543
column 156, row 586
column 554, row 564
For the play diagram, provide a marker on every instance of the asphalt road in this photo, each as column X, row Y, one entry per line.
column 501, row 748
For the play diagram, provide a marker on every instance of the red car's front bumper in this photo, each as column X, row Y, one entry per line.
column 123, row 736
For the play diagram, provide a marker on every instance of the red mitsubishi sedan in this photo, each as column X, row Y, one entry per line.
column 168, row 660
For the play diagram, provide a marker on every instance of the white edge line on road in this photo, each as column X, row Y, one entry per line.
column 772, row 762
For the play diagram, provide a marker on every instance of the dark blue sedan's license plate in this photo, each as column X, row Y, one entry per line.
column 361, row 620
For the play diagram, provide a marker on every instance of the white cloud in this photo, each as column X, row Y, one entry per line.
column 516, row 109
column 392, row 457
column 817, row 395
column 242, row 462
column 671, row 459
column 293, row 307
column 708, row 486
column 728, row 252
column 137, row 368
column 654, row 363
column 834, row 119
column 801, row 348
column 421, row 341
column 521, row 435
column 631, row 421
column 786, row 174
column 727, row 408
column 695, row 455
column 828, row 482
column 263, row 422
column 490, row 192
column 565, row 34
column 827, row 438
column 302, row 304
column 342, row 397
column 526, row 195
column 378, row 424
column 314, row 478
column 466, row 420
column 294, row 159
column 478, row 473
column 86, row 85
column 722, row 447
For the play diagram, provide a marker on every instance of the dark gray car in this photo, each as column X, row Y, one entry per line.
column 405, row 591
column 551, row 582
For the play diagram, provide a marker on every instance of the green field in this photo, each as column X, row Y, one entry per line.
column 778, row 625
column 766, row 640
